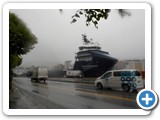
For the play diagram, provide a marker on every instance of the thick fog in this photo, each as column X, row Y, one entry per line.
column 58, row 39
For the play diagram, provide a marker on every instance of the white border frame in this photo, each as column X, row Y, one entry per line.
column 9, row 6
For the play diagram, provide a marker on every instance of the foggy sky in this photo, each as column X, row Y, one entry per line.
column 58, row 39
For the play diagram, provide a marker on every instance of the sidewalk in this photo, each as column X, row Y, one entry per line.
column 17, row 99
column 22, row 99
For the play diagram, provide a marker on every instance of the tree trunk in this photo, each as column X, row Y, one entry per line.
column 10, row 78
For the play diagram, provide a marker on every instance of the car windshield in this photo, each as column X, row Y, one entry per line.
column 107, row 75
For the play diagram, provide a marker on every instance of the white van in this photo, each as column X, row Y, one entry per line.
column 127, row 79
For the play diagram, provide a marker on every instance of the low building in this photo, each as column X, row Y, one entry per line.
column 131, row 64
column 68, row 65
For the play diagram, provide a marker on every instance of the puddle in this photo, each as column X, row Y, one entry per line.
column 37, row 92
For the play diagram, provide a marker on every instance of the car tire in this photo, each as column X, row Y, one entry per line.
column 126, row 88
column 99, row 86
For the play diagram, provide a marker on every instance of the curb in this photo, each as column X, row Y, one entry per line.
column 73, row 81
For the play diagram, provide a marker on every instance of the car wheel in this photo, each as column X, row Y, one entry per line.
column 99, row 86
column 126, row 88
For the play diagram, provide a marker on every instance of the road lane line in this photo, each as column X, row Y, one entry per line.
column 93, row 92
column 110, row 96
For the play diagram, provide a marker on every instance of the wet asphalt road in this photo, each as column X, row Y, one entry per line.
column 70, row 95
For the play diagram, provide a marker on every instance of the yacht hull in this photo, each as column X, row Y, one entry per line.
column 100, row 63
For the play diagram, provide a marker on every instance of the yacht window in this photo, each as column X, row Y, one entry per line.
column 85, row 59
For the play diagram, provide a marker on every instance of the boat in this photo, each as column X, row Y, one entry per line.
column 92, row 61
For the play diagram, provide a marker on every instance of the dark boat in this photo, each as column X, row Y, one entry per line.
column 92, row 61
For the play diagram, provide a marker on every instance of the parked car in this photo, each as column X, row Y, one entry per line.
column 127, row 79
